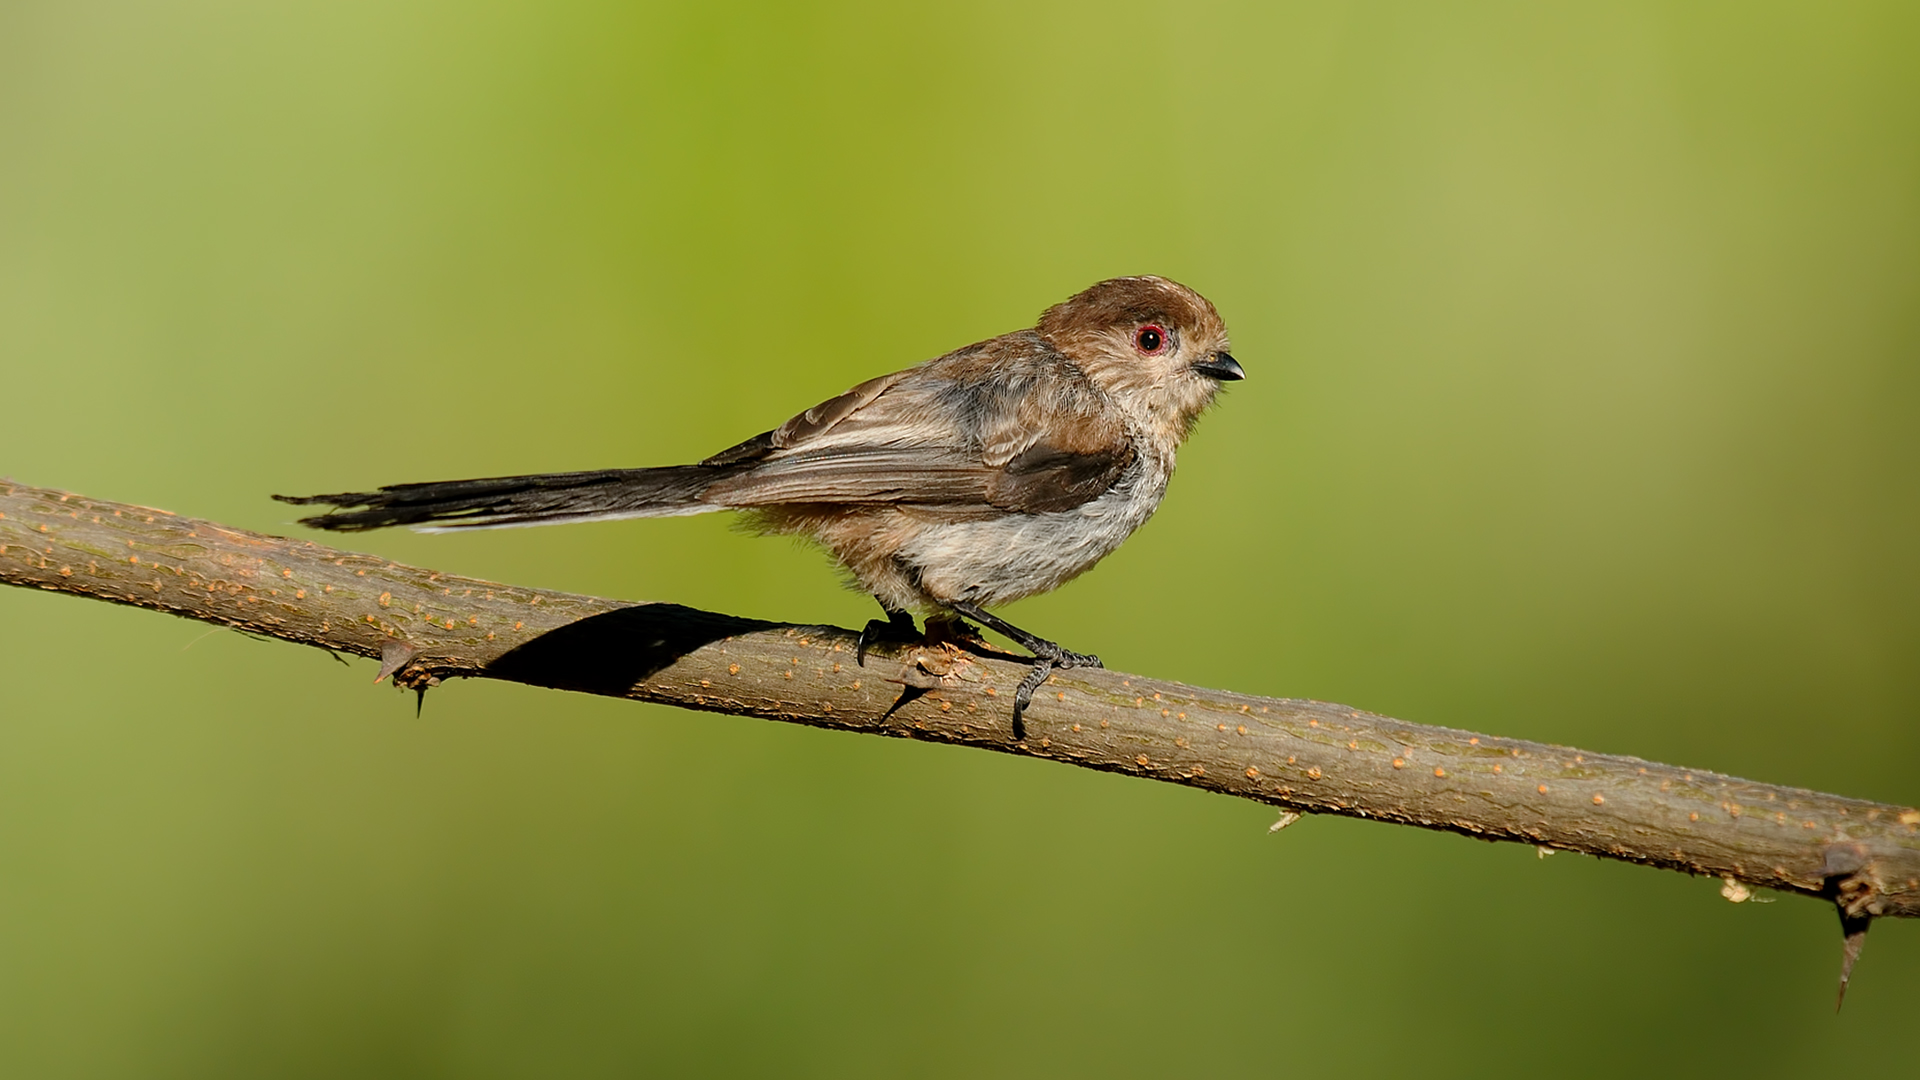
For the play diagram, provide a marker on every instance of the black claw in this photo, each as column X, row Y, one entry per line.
column 897, row 627
column 419, row 700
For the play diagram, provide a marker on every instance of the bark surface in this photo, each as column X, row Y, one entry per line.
column 1300, row 756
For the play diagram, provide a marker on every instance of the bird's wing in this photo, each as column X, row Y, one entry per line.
column 1007, row 425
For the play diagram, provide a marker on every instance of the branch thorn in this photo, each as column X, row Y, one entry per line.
column 394, row 655
column 1287, row 817
column 1855, row 929
column 909, row 693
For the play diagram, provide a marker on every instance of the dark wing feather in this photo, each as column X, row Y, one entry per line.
column 858, row 474
column 1045, row 478
column 815, row 421
column 1008, row 424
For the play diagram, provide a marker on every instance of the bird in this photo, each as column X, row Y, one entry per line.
column 993, row 473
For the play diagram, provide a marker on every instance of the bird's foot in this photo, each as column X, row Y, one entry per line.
column 1068, row 659
column 1048, row 656
column 896, row 628
column 1023, row 694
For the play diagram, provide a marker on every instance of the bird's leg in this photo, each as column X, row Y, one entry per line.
column 1047, row 655
column 898, row 627
column 1038, row 646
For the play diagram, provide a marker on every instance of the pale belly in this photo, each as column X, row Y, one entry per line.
column 1004, row 559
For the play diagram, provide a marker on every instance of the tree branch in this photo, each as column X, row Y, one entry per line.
column 1301, row 756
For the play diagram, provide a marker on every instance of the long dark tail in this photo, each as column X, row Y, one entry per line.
column 546, row 499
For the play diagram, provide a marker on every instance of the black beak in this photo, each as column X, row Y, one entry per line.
column 1221, row 366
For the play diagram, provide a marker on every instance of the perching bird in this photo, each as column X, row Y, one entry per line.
column 992, row 473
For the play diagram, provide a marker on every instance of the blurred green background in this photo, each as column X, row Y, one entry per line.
column 1583, row 406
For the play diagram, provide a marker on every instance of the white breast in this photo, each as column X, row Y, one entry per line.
column 1003, row 559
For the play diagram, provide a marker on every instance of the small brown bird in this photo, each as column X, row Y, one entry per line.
column 992, row 473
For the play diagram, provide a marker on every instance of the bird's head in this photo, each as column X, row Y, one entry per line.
column 1155, row 346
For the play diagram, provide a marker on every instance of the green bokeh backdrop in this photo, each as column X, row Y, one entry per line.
column 1583, row 406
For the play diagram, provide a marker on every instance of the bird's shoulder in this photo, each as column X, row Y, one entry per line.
column 1008, row 423
column 997, row 396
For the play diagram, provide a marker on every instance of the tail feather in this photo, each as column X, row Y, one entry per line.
column 499, row 502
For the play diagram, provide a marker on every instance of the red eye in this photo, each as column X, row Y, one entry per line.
column 1150, row 339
